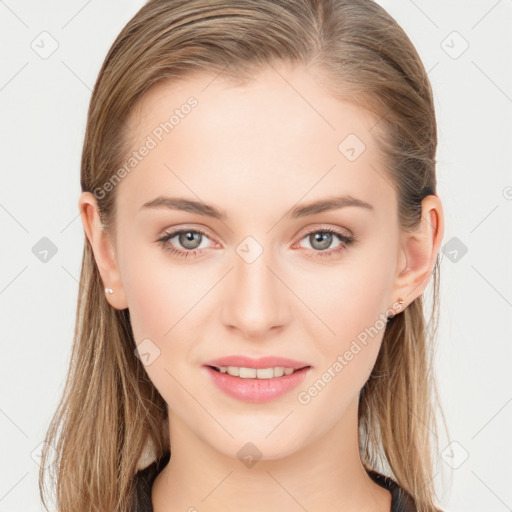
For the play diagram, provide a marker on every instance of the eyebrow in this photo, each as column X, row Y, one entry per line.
column 188, row 205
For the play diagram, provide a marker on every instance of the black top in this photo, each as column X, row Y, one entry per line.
column 401, row 501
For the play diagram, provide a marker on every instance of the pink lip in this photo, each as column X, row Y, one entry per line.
column 256, row 390
column 262, row 362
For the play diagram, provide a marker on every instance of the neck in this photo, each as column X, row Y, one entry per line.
column 327, row 474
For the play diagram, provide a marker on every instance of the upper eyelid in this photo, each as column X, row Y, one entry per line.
column 172, row 232
column 320, row 227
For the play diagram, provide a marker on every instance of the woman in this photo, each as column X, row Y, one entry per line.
column 261, row 219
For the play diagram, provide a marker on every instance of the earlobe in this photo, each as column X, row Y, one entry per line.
column 103, row 249
column 420, row 249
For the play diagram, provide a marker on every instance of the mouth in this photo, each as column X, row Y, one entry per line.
column 244, row 372
column 256, row 385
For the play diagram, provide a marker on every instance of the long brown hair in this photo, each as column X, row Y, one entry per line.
column 110, row 411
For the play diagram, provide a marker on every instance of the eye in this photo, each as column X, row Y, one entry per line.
column 322, row 239
column 189, row 239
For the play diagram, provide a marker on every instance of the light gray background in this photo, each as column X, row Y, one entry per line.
column 44, row 105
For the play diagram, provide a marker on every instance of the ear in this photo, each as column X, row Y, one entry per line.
column 419, row 251
column 103, row 249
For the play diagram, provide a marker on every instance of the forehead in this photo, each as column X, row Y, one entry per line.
column 280, row 136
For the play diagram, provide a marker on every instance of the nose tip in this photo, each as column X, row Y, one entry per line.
column 253, row 298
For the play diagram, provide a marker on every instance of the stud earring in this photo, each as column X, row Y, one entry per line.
column 400, row 301
column 109, row 290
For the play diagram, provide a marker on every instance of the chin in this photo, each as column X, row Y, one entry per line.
column 250, row 447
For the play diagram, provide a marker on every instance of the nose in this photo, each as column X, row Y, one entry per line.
column 254, row 300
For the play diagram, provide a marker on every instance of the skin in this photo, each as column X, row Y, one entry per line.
column 256, row 151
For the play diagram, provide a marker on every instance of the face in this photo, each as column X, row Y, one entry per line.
column 271, row 277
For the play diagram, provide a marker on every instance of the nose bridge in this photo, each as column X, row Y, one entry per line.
column 255, row 296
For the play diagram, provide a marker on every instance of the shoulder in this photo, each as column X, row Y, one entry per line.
column 401, row 501
column 143, row 482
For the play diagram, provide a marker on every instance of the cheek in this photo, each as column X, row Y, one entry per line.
column 348, row 355
column 164, row 300
column 353, row 306
column 159, row 293
column 159, row 298
column 349, row 299
column 148, row 295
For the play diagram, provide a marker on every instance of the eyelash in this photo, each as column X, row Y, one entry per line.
column 346, row 241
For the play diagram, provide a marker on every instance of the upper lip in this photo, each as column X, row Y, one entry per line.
column 262, row 362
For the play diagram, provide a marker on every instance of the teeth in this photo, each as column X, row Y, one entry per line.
column 259, row 373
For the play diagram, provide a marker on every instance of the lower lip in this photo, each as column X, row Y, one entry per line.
column 256, row 390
